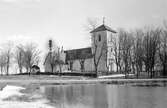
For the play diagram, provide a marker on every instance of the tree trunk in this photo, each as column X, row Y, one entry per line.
column 60, row 69
column 137, row 71
column 126, row 69
column 52, row 69
column 30, row 70
column 164, row 70
column 96, row 71
column 1, row 71
column 120, row 69
column 7, row 70
column 117, row 68
column 20, row 70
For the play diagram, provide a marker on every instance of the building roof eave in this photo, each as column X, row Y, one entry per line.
column 103, row 28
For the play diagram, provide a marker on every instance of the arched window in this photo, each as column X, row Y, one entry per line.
column 99, row 37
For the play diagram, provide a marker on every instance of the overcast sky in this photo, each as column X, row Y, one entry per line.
column 64, row 20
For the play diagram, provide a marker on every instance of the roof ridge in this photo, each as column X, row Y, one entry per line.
column 103, row 27
column 78, row 48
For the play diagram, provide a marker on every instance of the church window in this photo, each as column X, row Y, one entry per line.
column 110, row 38
column 99, row 38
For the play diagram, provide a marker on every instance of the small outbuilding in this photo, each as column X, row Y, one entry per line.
column 35, row 69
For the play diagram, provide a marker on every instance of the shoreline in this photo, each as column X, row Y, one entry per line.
column 57, row 80
column 78, row 81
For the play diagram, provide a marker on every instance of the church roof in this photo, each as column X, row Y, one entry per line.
column 75, row 54
column 103, row 28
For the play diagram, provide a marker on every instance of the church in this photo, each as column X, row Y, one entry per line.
column 98, row 57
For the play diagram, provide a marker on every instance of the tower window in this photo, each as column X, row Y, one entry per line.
column 99, row 38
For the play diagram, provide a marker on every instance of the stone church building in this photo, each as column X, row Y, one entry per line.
column 84, row 59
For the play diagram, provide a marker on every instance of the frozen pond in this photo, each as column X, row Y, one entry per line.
column 147, row 95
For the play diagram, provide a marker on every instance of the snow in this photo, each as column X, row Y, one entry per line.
column 10, row 104
column 115, row 76
column 10, row 90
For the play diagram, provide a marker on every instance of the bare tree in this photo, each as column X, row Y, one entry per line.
column 2, row 62
column 52, row 60
column 55, row 60
column 91, row 24
column 126, row 42
column 19, row 57
column 98, row 52
column 59, row 59
column 55, row 57
column 138, row 51
column 31, row 56
column 118, row 52
column 163, row 51
column 52, row 55
column 151, row 42
column 82, row 56
column 82, row 61
column 7, row 52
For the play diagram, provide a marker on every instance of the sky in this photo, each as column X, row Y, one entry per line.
column 25, row 21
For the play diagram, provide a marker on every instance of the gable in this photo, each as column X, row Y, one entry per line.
column 103, row 28
column 62, row 57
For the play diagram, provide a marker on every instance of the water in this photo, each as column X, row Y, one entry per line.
column 132, row 95
column 106, row 96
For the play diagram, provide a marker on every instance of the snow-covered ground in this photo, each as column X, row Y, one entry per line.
column 9, row 91
column 115, row 76
column 14, row 91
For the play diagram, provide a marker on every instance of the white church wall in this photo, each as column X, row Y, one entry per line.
column 48, row 68
column 76, row 65
column 64, row 68
column 89, row 66
column 102, row 67
column 111, row 37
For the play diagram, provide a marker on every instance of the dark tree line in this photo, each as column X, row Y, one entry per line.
column 142, row 50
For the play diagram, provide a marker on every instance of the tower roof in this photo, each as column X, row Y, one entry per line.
column 103, row 28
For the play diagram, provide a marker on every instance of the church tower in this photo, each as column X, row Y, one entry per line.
column 102, row 43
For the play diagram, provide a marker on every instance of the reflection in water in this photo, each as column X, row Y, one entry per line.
column 105, row 96
column 83, row 96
